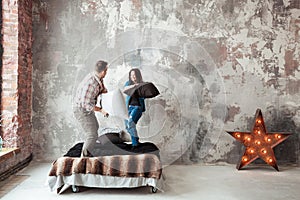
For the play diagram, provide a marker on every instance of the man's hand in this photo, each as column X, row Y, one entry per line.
column 105, row 114
column 104, row 90
column 98, row 109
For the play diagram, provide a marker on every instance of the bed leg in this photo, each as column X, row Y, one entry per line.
column 153, row 189
column 59, row 189
column 75, row 188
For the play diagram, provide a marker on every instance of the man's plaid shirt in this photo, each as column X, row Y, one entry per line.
column 88, row 91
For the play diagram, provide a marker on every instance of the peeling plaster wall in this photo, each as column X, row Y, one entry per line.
column 214, row 62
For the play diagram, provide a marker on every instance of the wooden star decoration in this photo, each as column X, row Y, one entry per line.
column 259, row 143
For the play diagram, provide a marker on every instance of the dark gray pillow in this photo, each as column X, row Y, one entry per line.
column 110, row 138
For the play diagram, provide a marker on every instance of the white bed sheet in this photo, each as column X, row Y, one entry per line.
column 99, row 181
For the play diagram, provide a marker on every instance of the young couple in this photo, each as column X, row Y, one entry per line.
column 84, row 105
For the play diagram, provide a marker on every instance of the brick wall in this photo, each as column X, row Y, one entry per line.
column 16, row 79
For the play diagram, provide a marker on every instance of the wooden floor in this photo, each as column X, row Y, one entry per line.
column 10, row 183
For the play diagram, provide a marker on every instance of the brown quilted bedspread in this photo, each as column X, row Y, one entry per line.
column 140, row 165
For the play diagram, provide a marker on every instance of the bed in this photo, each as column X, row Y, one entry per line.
column 113, row 166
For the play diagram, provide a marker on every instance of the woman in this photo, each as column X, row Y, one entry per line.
column 135, row 105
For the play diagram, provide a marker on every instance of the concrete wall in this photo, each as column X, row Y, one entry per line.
column 214, row 61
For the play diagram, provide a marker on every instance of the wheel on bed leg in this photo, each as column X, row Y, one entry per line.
column 75, row 188
column 153, row 189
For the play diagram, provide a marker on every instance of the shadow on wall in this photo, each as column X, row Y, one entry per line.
column 285, row 119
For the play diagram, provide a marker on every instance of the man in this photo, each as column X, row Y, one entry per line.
column 84, row 105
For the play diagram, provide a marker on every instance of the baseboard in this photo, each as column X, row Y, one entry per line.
column 16, row 168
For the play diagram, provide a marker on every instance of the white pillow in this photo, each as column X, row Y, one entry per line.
column 113, row 103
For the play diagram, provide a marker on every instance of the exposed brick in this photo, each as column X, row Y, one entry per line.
column 16, row 77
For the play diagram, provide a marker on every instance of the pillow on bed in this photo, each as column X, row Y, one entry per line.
column 113, row 135
column 110, row 137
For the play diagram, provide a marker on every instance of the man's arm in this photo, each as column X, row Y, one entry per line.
column 98, row 109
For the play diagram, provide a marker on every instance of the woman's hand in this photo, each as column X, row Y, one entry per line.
column 128, row 87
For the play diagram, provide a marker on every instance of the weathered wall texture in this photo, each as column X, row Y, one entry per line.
column 214, row 61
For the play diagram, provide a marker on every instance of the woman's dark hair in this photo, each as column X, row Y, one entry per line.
column 138, row 75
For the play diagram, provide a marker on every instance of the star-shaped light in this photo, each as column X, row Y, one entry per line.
column 259, row 143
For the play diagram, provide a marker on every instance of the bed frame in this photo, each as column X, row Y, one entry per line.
column 115, row 171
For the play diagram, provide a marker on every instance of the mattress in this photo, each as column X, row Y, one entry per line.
column 125, row 168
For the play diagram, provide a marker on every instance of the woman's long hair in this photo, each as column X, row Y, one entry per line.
column 138, row 75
